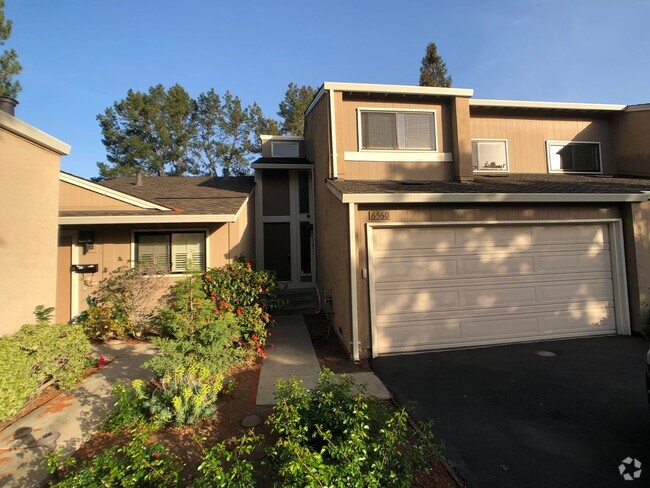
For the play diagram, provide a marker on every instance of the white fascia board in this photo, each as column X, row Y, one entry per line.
column 282, row 166
column 492, row 197
column 643, row 107
column 265, row 138
column 398, row 89
column 476, row 102
column 108, row 192
column 317, row 97
column 32, row 134
column 147, row 219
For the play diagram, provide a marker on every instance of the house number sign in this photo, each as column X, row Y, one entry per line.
column 378, row 215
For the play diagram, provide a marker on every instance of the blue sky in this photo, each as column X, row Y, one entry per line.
column 79, row 56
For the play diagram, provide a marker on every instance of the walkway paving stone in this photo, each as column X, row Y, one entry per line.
column 76, row 414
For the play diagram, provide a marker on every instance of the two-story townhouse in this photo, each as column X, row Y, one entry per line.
column 444, row 221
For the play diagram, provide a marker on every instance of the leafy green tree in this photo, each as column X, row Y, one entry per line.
column 227, row 133
column 293, row 107
column 149, row 132
column 9, row 65
column 433, row 71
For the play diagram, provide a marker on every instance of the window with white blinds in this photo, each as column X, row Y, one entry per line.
column 175, row 252
column 398, row 130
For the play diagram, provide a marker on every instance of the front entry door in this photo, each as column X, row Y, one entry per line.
column 285, row 225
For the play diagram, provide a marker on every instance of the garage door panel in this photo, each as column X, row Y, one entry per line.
column 593, row 261
column 501, row 327
column 425, row 282
column 576, row 290
column 420, row 267
column 391, row 302
column 493, row 297
column 413, row 238
column 552, row 234
column 490, row 284
column 579, row 319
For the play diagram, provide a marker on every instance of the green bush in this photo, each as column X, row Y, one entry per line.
column 136, row 464
column 130, row 409
column 99, row 323
column 195, row 332
column 328, row 437
column 38, row 354
column 228, row 467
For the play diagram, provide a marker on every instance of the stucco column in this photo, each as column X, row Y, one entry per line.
column 462, row 148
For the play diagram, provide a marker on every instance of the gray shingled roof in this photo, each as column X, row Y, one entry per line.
column 513, row 183
column 196, row 195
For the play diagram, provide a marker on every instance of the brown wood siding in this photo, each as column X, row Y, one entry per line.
column 633, row 143
column 72, row 197
column 527, row 136
column 347, row 139
column 330, row 227
column 456, row 213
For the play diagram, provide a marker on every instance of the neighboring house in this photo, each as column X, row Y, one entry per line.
column 424, row 218
column 29, row 165
column 174, row 222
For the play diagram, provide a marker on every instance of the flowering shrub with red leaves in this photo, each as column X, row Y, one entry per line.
column 247, row 293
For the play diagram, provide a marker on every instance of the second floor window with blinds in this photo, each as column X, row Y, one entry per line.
column 174, row 252
column 398, row 130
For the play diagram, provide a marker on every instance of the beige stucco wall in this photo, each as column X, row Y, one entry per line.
column 29, row 192
column 450, row 214
column 632, row 138
column 527, row 133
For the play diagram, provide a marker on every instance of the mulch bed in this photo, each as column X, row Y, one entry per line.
column 185, row 443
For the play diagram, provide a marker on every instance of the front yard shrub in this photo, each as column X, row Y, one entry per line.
column 131, row 294
column 135, row 464
column 99, row 323
column 38, row 355
column 228, row 464
column 328, row 437
column 195, row 332
column 129, row 408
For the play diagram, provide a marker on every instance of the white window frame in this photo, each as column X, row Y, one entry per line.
column 381, row 152
column 205, row 231
column 495, row 171
column 295, row 144
column 550, row 143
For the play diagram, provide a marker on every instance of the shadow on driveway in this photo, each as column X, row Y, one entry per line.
column 512, row 418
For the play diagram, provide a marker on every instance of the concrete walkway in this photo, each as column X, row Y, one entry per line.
column 293, row 355
column 76, row 414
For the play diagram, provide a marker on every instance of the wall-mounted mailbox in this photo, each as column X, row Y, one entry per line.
column 84, row 268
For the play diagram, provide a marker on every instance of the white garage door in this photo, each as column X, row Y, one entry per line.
column 440, row 287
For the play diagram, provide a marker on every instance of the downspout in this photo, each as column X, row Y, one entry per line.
column 353, row 282
column 335, row 169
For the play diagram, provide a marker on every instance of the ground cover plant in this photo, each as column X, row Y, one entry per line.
column 37, row 356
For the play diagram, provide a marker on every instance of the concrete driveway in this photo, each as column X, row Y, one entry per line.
column 510, row 417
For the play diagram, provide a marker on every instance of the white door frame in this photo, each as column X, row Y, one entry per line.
column 74, row 281
column 619, row 276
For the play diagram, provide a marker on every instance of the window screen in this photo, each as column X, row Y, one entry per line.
column 398, row 130
column 575, row 157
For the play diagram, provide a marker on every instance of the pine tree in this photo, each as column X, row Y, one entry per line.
column 9, row 65
column 434, row 70
column 293, row 107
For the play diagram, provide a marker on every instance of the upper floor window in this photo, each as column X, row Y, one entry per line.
column 398, row 130
column 284, row 150
column 573, row 157
column 490, row 155
column 174, row 252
